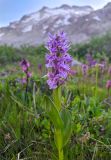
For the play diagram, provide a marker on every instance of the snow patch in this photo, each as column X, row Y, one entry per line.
column 67, row 12
column 97, row 18
column 45, row 27
column 58, row 23
column 13, row 26
column 36, row 17
column 1, row 35
column 64, row 21
column 27, row 29
column 55, row 12
column 86, row 19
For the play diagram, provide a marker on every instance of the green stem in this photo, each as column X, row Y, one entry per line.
column 57, row 102
column 84, row 85
column 57, row 98
column 61, row 157
column 96, row 80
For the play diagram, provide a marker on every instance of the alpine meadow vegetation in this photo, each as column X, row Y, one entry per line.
column 52, row 108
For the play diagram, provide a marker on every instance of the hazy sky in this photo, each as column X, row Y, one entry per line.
column 11, row 10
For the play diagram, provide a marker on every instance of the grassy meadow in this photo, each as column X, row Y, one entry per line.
column 26, row 131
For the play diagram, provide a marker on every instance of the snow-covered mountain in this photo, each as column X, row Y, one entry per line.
column 80, row 23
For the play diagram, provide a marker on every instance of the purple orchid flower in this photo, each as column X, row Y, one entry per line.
column 90, row 60
column 25, row 65
column 108, row 84
column 84, row 68
column 58, row 61
column 109, row 70
column 25, row 68
column 40, row 67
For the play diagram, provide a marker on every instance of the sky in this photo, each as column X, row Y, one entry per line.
column 12, row 10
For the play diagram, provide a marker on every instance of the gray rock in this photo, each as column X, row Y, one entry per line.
column 76, row 63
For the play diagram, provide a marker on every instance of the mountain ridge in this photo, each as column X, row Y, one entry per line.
column 81, row 23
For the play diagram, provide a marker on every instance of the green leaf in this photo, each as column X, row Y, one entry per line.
column 78, row 129
column 53, row 114
column 58, row 138
column 67, row 129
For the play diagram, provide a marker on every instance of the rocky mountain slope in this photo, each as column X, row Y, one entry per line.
column 80, row 23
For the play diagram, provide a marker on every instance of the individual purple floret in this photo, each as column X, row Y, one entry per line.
column 58, row 61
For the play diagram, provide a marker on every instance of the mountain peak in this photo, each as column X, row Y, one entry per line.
column 108, row 5
column 43, row 8
column 88, row 8
column 65, row 6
